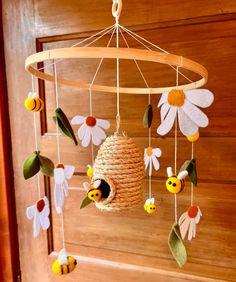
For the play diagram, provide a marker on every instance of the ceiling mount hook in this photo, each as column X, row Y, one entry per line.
column 116, row 9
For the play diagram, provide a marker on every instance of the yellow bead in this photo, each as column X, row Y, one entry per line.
column 90, row 172
column 174, row 185
column 194, row 137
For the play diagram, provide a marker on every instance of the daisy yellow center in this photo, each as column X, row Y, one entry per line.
column 149, row 151
column 59, row 166
column 40, row 205
column 91, row 121
column 192, row 211
column 176, row 98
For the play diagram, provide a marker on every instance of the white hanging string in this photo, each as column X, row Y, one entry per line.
column 36, row 139
column 192, row 187
column 133, row 35
column 149, row 102
column 90, row 89
column 102, row 32
column 176, row 149
column 58, row 149
column 117, row 80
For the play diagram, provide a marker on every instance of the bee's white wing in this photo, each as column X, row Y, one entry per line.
column 86, row 186
column 69, row 171
column 36, row 225
column 97, row 183
column 200, row 97
column 30, row 212
column 148, row 201
column 152, row 200
column 58, row 197
column 59, row 175
column 62, row 257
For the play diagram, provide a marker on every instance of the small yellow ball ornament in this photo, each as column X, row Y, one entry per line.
column 90, row 172
column 34, row 104
column 194, row 137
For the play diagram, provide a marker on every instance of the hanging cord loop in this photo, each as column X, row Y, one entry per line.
column 116, row 9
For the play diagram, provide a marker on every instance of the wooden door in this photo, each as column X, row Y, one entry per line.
column 127, row 246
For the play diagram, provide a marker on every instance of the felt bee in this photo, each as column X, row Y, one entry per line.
column 95, row 194
column 175, row 184
column 34, row 103
column 64, row 264
column 99, row 189
column 150, row 206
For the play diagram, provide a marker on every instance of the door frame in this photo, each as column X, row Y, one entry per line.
column 9, row 255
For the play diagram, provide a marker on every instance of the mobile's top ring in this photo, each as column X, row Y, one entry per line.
column 116, row 8
column 114, row 53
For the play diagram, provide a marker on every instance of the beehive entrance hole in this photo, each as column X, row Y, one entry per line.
column 105, row 188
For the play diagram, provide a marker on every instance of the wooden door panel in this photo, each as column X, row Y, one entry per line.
column 128, row 246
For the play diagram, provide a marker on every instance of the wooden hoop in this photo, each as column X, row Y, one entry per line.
column 114, row 53
column 116, row 8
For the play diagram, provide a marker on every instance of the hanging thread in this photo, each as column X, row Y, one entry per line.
column 58, row 148
column 117, row 81
column 36, row 139
column 192, row 186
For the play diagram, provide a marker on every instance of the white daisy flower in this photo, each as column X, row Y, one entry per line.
column 150, row 158
column 40, row 212
column 61, row 174
column 184, row 104
column 92, row 128
column 188, row 222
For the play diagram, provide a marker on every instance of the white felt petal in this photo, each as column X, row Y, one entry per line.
column 100, row 132
column 59, row 175
column 103, row 123
column 44, row 221
column 156, row 152
column 36, row 225
column 30, row 212
column 155, row 163
column 69, row 171
column 150, row 168
column 197, row 218
column 146, row 161
column 186, row 125
column 65, row 188
column 82, row 131
column 195, row 114
column 95, row 136
column 58, row 197
column 87, row 137
column 164, row 110
column 183, row 217
column 86, row 186
column 46, row 201
column 184, row 227
column 168, row 122
column 200, row 97
column 45, row 212
column 78, row 120
column 190, row 231
column 194, row 230
column 163, row 99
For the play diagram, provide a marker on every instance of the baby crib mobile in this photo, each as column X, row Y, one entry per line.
column 116, row 175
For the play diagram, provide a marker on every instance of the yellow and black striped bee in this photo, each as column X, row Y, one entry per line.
column 64, row 264
column 175, row 184
column 34, row 104
column 99, row 189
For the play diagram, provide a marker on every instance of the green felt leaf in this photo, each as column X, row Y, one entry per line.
column 176, row 245
column 86, row 201
column 46, row 166
column 190, row 166
column 31, row 165
column 64, row 125
column 147, row 117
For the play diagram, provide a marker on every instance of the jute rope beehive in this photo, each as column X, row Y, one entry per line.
column 120, row 164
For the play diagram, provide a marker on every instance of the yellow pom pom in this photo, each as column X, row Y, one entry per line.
column 90, row 171
column 194, row 137
column 34, row 104
column 61, row 269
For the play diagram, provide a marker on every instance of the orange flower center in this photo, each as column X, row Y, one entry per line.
column 149, row 151
column 91, row 121
column 192, row 211
column 60, row 166
column 40, row 204
column 176, row 98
